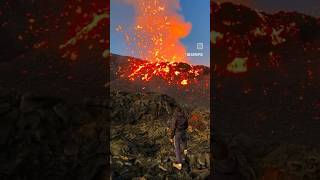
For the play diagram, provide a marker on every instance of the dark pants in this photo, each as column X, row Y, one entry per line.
column 180, row 144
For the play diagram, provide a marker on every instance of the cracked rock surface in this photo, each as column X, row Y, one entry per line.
column 140, row 146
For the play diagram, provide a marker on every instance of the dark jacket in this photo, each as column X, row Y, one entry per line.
column 178, row 124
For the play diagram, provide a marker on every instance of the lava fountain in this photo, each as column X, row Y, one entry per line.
column 155, row 37
column 157, row 31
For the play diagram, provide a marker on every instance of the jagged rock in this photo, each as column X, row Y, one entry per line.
column 201, row 174
column 201, row 160
column 192, row 160
column 117, row 147
column 294, row 161
column 141, row 119
column 208, row 160
column 133, row 107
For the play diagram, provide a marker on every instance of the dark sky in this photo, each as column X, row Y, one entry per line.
column 309, row 7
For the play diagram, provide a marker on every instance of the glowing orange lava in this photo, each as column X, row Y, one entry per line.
column 155, row 37
column 157, row 31
column 172, row 72
column 184, row 82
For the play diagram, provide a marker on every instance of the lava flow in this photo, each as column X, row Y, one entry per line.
column 172, row 72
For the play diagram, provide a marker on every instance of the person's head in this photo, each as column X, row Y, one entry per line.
column 178, row 109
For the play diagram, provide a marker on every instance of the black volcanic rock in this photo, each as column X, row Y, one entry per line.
column 140, row 146
column 231, row 17
column 280, row 87
column 52, row 139
column 45, row 73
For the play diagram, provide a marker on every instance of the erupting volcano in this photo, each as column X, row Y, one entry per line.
column 155, row 36
column 150, row 43
column 157, row 30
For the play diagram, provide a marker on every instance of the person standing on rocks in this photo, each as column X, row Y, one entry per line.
column 178, row 135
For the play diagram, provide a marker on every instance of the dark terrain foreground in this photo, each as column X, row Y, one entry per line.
column 46, row 138
column 264, row 160
column 140, row 146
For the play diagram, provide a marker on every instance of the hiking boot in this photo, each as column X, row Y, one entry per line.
column 177, row 165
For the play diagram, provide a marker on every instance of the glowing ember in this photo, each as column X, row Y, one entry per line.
column 184, row 82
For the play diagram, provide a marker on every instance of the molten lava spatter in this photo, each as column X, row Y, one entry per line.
column 155, row 37
column 172, row 72
column 157, row 31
